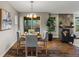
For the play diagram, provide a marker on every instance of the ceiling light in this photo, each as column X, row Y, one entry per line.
column 31, row 15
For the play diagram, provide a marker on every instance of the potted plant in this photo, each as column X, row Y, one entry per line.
column 51, row 23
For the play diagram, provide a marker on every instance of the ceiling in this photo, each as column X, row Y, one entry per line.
column 46, row 6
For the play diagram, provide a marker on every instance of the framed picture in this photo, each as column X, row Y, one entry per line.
column 5, row 20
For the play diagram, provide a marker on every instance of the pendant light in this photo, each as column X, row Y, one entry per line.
column 32, row 14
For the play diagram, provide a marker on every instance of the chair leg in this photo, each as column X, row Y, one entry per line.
column 36, row 51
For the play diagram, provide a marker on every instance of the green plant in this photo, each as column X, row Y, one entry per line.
column 51, row 24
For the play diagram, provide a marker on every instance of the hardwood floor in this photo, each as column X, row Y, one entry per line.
column 54, row 48
column 59, row 48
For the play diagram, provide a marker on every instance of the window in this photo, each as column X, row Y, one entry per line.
column 32, row 24
column 77, row 23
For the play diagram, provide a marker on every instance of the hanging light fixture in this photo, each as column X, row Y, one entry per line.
column 31, row 15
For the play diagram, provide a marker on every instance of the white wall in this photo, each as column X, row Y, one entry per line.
column 7, row 37
column 56, row 33
column 43, row 18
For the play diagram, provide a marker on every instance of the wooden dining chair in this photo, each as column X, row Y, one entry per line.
column 31, row 45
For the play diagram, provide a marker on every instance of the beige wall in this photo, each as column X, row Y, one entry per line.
column 7, row 37
column 43, row 18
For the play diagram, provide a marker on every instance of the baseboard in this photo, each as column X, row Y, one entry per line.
column 55, row 37
column 2, row 55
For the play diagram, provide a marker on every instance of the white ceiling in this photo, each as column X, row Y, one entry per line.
column 46, row 6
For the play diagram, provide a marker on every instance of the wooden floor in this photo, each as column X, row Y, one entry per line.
column 54, row 48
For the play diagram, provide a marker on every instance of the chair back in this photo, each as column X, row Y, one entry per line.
column 31, row 41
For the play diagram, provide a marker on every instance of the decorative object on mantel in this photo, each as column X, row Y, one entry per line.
column 5, row 20
column 60, row 24
column 51, row 23
column 71, row 23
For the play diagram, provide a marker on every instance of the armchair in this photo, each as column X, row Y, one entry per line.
column 67, row 37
